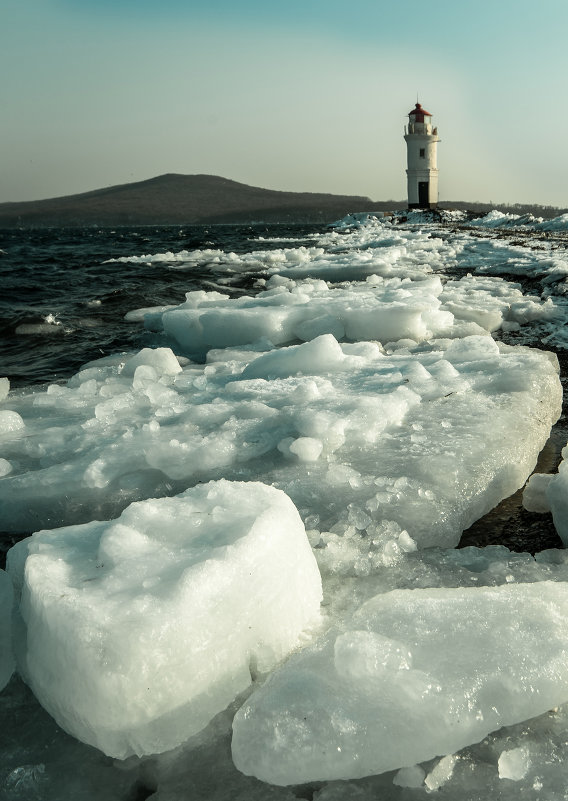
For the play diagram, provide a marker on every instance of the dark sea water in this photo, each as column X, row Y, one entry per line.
column 61, row 305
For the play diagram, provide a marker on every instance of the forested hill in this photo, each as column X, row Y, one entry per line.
column 179, row 199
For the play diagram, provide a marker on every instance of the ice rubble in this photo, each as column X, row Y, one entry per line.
column 499, row 219
column 392, row 264
column 378, row 309
column 358, row 220
column 377, row 248
column 374, row 249
column 425, row 439
column 138, row 631
column 381, row 310
column 386, row 448
column 375, row 450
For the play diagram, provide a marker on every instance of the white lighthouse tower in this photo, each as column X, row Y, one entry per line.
column 421, row 147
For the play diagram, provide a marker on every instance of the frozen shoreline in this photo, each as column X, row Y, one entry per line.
column 387, row 442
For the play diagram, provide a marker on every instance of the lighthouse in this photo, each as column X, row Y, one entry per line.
column 421, row 149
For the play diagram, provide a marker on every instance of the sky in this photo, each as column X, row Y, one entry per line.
column 303, row 95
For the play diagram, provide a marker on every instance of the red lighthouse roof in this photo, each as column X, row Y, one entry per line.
column 419, row 113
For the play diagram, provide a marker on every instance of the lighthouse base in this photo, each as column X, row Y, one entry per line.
column 422, row 188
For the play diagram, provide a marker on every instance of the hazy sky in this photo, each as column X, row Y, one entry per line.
column 304, row 95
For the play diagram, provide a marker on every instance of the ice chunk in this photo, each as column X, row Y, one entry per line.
column 320, row 356
column 6, row 655
column 140, row 630
column 307, row 449
column 414, row 674
column 5, row 467
column 557, row 494
column 10, row 422
column 4, row 388
column 514, row 764
column 410, row 777
column 441, row 773
column 534, row 493
column 162, row 360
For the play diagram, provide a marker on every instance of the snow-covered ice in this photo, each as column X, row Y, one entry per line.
column 137, row 631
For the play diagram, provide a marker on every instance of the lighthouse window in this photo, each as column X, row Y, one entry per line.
column 422, row 153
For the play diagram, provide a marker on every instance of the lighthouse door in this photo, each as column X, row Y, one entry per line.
column 423, row 199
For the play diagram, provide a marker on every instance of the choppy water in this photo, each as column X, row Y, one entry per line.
column 61, row 305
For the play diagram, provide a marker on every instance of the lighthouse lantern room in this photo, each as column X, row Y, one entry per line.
column 421, row 147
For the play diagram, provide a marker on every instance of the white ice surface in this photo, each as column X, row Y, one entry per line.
column 137, row 631
column 414, row 674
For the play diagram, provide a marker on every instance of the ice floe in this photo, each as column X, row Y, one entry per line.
column 414, row 674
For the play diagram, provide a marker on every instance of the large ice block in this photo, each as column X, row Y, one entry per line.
column 415, row 674
column 141, row 629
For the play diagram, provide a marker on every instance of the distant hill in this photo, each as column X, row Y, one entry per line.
column 179, row 199
column 184, row 199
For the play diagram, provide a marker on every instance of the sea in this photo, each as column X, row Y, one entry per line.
column 64, row 296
